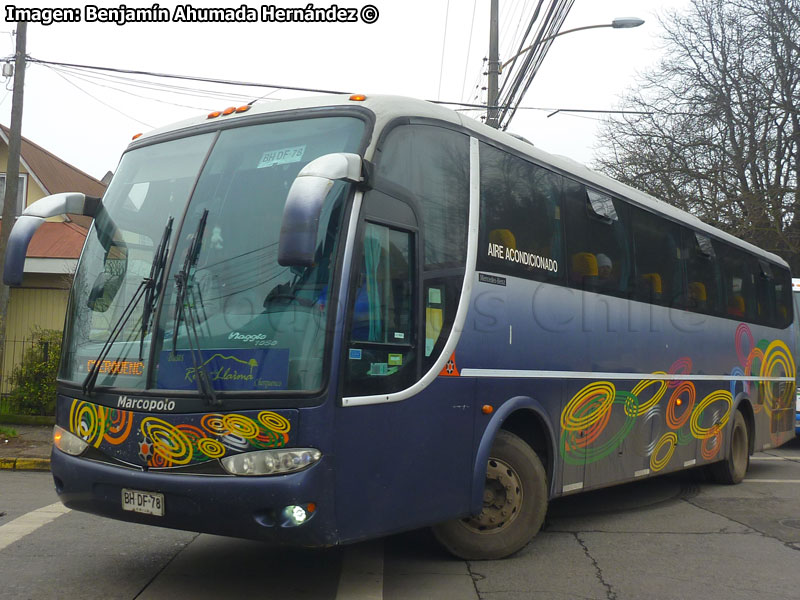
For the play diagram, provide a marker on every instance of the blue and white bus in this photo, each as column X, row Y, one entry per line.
column 317, row 321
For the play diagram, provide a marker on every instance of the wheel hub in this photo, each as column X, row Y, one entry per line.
column 502, row 498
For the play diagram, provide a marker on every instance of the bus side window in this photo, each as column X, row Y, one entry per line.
column 702, row 273
column 520, row 229
column 381, row 355
column 659, row 273
column 739, row 275
column 783, row 297
column 597, row 240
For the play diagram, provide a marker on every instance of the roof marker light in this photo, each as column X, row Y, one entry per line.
column 242, row 109
column 229, row 110
column 214, row 114
column 358, row 97
column 138, row 135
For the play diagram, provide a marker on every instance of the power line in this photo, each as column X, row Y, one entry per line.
column 114, row 108
column 444, row 42
column 465, row 105
column 187, row 77
column 64, row 73
column 153, row 85
column 469, row 48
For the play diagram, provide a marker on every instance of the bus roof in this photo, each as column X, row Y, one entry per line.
column 388, row 108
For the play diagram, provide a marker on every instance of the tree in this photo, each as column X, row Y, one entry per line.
column 717, row 129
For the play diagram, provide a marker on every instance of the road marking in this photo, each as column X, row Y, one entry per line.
column 362, row 572
column 771, row 481
column 29, row 522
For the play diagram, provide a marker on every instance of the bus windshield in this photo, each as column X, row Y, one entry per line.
column 207, row 209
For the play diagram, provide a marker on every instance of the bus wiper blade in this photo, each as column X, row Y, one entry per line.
column 154, row 285
column 91, row 376
column 204, row 384
column 145, row 290
column 183, row 283
column 182, row 277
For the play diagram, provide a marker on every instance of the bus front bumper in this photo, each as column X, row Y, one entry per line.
column 244, row 507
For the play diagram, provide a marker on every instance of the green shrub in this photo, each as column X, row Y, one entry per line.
column 34, row 379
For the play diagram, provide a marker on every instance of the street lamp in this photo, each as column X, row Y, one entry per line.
column 495, row 68
column 620, row 23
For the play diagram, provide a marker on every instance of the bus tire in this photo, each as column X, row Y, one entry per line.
column 514, row 505
column 733, row 467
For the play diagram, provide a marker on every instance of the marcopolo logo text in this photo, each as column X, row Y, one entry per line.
column 160, row 404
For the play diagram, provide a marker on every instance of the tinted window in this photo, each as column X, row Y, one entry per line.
column 381, row 356
column 773, row 287
column 598, row 252
column 659, row 278
column 739, row 271
column 521, row 230
column 702, row 274
column 432, row 164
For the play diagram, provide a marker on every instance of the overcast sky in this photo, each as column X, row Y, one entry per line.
column 423, row 49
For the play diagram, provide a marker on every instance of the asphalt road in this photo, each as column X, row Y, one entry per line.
column 669, row 537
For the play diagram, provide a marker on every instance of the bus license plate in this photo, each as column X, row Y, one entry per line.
column 148, row 503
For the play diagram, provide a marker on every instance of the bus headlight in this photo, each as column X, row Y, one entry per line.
column 67, row 442
column 271, row 462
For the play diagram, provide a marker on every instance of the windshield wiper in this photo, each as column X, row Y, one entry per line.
column 146, row 286
column 184, row 285
column 154, row 288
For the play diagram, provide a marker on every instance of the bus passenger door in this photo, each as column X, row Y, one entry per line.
column 406, row 461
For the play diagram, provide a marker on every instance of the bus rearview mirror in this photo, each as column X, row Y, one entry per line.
column 298, row 237
column 30, row 221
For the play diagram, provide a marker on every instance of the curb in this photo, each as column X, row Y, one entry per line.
column 25, row 464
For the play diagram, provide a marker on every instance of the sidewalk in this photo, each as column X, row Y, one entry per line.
column 29, row 450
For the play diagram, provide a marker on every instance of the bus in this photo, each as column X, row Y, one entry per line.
column 317, row 321
column 796, row 297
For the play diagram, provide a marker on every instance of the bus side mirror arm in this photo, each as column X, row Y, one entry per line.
column 30, row 221
column 299, row 227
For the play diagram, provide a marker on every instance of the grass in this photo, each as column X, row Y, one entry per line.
column 8, row 432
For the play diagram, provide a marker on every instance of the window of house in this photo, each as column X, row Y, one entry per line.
column 22, row 192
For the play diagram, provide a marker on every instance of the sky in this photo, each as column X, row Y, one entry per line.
column 429, row 49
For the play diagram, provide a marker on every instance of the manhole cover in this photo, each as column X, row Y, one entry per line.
column 794, row 523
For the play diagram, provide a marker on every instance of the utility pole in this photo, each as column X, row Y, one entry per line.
column 494, row 65
column 12, row 180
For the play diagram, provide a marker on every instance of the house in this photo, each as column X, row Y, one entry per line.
column 54, row 250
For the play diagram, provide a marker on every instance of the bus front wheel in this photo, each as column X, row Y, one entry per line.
column 514, row 505
column 733, row 467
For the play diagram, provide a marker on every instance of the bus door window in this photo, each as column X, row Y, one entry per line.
column 428, row 167
column 381, row 356
column 659, row 271
column 597, row 240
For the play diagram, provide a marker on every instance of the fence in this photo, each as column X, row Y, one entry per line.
column 15, row 350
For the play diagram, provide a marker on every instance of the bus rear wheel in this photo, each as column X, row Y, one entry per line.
column 733, row 467
column 514, row 505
